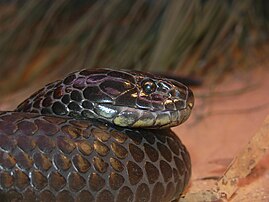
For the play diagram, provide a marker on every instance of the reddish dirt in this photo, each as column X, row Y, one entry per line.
column 221, row 125
column 224, row 119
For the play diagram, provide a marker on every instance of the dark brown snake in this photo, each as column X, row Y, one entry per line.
column 98, row 135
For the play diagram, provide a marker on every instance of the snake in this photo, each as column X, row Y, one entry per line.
column 100, row 135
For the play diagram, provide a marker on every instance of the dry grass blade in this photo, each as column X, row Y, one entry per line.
column 170, row 29
column 182, row 37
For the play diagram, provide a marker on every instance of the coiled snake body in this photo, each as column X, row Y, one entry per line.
column 98, row 135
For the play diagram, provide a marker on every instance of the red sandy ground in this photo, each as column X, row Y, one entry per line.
column 220, row 125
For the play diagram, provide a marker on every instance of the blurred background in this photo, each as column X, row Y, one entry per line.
column 47, row 39
column 223, row 43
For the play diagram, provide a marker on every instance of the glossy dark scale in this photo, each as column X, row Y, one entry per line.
column 74, row 106
column 95, row 79
column 126, row 98
column 79, row 83
column 88, row 160
column 122, row 75
column 66, row 99
column 69, row 79
column 115, row 88
column 94, row 94
column 144, row 103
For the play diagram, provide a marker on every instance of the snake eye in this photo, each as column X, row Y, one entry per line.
column 148, row 86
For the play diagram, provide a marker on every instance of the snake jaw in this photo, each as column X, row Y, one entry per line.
column 139, row 118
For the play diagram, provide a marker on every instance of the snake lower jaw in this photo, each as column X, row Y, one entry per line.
column 152, row 120
column 136, row 118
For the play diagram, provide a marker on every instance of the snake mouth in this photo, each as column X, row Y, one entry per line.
column 125, row 116
column 138, row 118
column 141, row 118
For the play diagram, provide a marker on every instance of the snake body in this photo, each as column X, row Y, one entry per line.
column 97, row 135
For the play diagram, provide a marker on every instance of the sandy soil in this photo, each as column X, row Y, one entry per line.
column 225, row 117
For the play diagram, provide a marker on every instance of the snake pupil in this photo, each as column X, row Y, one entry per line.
column 148, row 86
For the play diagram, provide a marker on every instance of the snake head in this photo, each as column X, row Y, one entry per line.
column 124, row 98
column 154, row 102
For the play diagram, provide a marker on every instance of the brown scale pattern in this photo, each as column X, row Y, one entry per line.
column 87, row 161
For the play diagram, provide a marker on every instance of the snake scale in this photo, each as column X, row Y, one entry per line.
column 97, row 135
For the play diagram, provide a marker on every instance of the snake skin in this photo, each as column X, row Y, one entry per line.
column 85, row 138
column 114, row 96
column 46, row 158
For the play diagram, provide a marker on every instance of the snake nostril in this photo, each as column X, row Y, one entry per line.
column 190, row 99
